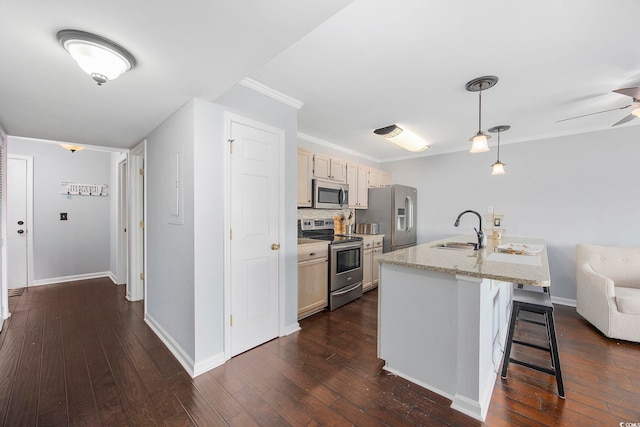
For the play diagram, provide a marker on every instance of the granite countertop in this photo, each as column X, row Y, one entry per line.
column 486, row 263
column 307, row 241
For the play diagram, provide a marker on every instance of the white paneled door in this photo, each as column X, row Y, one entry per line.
column 17, row 225
column 255, row 168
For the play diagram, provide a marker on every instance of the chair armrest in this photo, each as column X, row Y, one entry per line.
column 595, row 293
column 597, row 285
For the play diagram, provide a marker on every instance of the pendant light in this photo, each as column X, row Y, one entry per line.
column 101, row 58
column 479, row 140
column 403, row 137
column 498, row 166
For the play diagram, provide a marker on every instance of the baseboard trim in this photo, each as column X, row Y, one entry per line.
column 207, row 365
column 563, row 301
column 288, row 330
column 73, row 278
column 175, row 349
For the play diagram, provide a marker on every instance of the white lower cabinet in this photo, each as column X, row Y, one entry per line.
column 370, row 268
column 313, row 288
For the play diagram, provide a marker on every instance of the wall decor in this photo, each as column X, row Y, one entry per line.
column 78, row 189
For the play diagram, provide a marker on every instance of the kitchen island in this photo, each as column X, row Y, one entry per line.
column 443, row 314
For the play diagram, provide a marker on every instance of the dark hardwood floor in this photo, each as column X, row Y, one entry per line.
column 80, row 354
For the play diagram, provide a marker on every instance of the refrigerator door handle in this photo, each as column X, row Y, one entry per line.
column 409, row 211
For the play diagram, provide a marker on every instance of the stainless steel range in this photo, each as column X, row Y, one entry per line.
column 345, row 260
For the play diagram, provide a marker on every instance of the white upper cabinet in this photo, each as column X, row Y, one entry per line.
column 375, row 178
column 357, row 178
column 305, row 165
column 325, row 167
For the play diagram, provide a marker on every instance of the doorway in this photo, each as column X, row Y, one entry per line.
column 19, row 221
column 253, row 284
column 137, row 240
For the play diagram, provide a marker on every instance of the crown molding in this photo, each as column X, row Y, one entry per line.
column 271, row 93
column 337, row 147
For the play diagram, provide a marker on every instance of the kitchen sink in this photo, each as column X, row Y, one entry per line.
column 456, row 246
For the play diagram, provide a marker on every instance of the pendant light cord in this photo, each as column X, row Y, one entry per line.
column 480, row 109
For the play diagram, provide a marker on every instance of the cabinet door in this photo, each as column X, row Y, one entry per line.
column 363, row 187
column 375, row 273
column 321, row 166
column 375, row 178
column 338, row 170
column 352, row 182
column 313, row 286
column 386, row 178
column 304, row 178
column 367, row 263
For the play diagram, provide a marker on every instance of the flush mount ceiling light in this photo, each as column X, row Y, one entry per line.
column 101, row 58
column 498, row 166
column 479, row 140
column 72, row 148
column 403, row 137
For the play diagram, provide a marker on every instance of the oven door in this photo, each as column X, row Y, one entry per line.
column 346, row 264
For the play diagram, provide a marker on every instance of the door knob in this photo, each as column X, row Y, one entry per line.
column 275, row 246
column 20, row 231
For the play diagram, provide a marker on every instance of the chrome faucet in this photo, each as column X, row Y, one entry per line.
column 478, row 230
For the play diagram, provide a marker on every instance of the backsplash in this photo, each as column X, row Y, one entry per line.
column 322, row 213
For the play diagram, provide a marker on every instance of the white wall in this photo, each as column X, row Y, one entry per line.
column 566, row 190
column 80, row 245
column 170, row 249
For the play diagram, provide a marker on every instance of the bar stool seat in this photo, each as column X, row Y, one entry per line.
column 540, row 303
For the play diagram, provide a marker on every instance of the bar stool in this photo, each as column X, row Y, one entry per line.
column 540, row 303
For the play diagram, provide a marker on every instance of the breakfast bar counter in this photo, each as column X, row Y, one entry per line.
column 443, row 313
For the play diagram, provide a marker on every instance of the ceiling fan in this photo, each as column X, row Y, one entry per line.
column 633, row 92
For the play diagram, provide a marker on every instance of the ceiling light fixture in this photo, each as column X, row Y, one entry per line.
column 403, row 137
column 72, row 148
column 101, row 58
column 498, row 166
column 479, row 140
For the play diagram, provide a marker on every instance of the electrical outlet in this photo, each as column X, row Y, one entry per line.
column 63, row 216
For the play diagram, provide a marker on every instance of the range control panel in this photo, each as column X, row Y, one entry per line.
column 316, row 224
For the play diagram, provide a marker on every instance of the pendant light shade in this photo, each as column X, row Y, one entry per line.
column 479, row 142
column 101, row 58
column 636, row 112
column 403, row 137
column 498, row 167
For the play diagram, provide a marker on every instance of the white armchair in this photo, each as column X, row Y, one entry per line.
column 608, row 289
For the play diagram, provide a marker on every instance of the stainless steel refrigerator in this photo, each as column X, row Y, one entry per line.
column 394, row 208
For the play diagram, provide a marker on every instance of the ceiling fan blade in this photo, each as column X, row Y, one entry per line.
column 624, row 120
column 633, row 92
column 591, row 114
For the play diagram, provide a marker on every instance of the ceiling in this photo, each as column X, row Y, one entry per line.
column 356, row 66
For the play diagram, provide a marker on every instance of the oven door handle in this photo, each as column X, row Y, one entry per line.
column 346, row 245
column 346, row 291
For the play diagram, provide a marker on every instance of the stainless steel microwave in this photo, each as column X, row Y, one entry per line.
column 330, row 195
